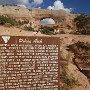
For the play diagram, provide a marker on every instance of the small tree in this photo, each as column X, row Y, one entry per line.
column 82, row 22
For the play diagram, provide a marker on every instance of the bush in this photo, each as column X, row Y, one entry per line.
column 46, row 30
column 62, row 32
column 80, row 32
column 13, row 22
column 70, row 84
column 84, row 32
column 68, row 26
column 19, row 22
column 28, row 28
column 83, row 45
column 7, row 25
column 26, row 21
column 68, row 80
column 82, row 22
column 81, row 50
column 75, row 33
column 4, row 20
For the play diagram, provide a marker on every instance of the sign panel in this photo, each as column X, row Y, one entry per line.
column 29, row 63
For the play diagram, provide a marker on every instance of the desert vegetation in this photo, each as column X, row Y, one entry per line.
column 83, row 24
column 46, row 30
column 67, row 80
column 8, row 22
column 28, row 28
column 81, row 50
column 81, row 58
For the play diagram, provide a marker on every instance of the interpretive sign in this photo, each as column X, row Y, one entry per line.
column 29, row 63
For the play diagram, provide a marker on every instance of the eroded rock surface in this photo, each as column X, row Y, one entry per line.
column 36, row 14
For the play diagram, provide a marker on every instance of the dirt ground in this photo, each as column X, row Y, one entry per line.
column 67, row 39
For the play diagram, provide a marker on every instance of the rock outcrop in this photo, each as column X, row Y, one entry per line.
column 36, row 14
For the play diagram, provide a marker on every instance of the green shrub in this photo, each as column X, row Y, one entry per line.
column 62, row 32
column 19, row 22
column 68, row 80
column 46, row 30
column 83, row 45
column 4, row 20
column 68, row 26
column 80, row 32
column 85, row 32
column 28, row 28
column 75, row 32
column 68, row 58
column 46, row 27
column 12, row 21
column 81, row 50
column 7, row 25
column 26, row 21
column 82, row 23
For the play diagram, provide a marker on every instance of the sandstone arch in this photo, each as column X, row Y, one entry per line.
column 56, row 15
column 36, row 14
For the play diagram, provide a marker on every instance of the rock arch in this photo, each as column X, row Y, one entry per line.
column 57, row 15
column 36, row 14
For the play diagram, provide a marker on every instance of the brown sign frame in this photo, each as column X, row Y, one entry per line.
column 31, row 40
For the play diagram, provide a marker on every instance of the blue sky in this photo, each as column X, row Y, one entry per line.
column 76, row 6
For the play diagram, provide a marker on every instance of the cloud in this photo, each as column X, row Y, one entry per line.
column 34, row 3
column 38, row 2
column 39, row 7
column 47, row 21
column 59, row 5
column 24, row 3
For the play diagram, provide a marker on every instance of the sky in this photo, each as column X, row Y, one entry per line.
column 72, row 6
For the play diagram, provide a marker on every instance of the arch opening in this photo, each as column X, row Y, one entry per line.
column 46, row 21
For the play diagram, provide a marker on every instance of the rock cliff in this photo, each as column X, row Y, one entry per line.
column 36, row 14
